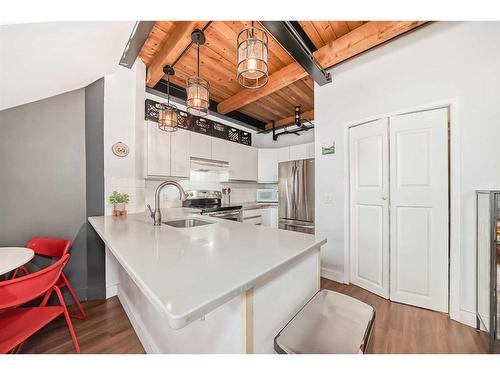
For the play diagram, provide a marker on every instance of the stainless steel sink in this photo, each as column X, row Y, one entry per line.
column 187, row 223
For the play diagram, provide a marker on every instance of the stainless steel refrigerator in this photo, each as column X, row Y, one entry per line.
column 296, row 195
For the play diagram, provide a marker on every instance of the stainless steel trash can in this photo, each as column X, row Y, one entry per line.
column 330, row 323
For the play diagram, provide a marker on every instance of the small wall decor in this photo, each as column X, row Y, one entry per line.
column 328, row 148
column 120, row 149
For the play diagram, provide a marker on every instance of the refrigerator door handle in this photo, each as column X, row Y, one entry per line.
column 294, row 192
column 296, row 189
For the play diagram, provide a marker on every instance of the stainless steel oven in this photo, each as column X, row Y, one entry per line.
column 209, row 202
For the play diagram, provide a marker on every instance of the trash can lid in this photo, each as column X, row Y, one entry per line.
column 329, row 323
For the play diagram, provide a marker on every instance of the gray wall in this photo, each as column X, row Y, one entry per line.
column 43, row 184
column 94, row 149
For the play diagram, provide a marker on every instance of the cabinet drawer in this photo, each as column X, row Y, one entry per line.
column 255, row 220
column 250, row 213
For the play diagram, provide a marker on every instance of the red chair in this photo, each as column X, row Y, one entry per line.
column 19, row 323
column 54, row 248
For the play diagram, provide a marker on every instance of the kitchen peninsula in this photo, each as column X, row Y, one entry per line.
column 222, row 287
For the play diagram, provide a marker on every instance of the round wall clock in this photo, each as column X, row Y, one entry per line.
column 120, row 149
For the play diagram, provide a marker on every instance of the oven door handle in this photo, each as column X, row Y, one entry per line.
column 225, row 213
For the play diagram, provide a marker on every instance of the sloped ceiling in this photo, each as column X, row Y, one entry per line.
column 40, row 60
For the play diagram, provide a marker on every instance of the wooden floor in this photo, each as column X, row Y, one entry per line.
column 398, row 329
column 406, row 329
column 106, row 330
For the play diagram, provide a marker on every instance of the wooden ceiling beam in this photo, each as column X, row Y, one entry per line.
column 282, row 78
column 178, row 39
column 308, row 115
column 361, row 39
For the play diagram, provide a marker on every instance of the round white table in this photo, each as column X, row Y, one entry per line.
column 13, row 257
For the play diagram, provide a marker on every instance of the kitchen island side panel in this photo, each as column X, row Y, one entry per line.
column 227, row 329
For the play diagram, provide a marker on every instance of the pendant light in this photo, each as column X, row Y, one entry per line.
column 252, row 49
column 167, row 114
column 197, row 88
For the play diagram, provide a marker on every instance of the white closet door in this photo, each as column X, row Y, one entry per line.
column 369, row 227
column 419, row 209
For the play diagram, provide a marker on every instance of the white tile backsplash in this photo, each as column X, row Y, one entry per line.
column 134, row 187
column 141, row 192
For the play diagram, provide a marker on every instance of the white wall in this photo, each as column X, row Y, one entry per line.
column 124, row 97
column 40, row 60
column 441, row 61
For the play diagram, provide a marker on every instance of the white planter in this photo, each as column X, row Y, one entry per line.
column 119, row 209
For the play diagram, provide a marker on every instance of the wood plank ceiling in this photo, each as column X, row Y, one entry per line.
column 276, row 101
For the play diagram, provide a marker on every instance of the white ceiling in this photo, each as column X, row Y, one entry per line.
column 39, row 60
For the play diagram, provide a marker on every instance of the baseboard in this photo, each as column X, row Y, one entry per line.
column 333, row 275
column 111, row 291
column 139, row 327
column 467, row 317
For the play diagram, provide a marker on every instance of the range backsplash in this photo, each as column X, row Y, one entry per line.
column 141, row 192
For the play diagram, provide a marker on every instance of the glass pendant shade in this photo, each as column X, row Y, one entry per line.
column 252, row 46
column 167, row 118
column 167, row 113
column 198, row 97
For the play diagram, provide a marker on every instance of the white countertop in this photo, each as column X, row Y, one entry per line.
column 188, row 272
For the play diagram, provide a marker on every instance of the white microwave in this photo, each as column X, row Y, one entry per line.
column 267, row 195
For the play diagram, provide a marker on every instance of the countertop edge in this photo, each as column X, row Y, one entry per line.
column 181, row 321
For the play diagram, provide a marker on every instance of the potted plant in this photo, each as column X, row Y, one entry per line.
column 119, row 200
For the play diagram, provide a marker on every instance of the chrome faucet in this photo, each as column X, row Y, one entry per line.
column 156, row 214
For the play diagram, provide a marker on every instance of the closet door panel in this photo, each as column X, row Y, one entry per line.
column 369, row 218
column 419, row 209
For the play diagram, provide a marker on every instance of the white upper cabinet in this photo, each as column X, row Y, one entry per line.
column 158, row 151
column 200, row 145
column 179, row 153
column 220, row 149
column 268, row 164
column 298, row 152
column 283, row 154
column 242, row 162
column 310, row 150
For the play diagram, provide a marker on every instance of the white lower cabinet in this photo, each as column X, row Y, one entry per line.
column 267, row 216
column 253, row 216
column 268, row 164
column 273, row 217
column 242, row 162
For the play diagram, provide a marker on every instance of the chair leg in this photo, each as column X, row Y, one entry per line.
column 20, row 268
column 46, row 298
column 18, row 348
column 68, row 320
column 82, row 315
